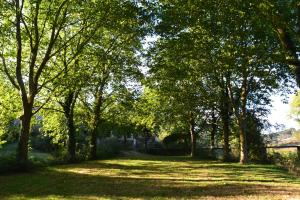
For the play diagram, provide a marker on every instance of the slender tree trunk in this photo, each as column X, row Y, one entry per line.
column 226, row 133
column 242, row 125
column 213, row 133
column 193, row 135
column 72, row 139
column 240, row 111
column 213, row 130
column 94, row 131
column 146, row 138
column 93, row 151
column 146, row 144
column 22, row 150
column 243, row 143
column 226, row 124
column 68, row 107
column 96, row 122
column 125, row 139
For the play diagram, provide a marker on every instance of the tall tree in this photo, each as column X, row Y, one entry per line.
column 225, row 38
column 36, row 41
column 112, row 59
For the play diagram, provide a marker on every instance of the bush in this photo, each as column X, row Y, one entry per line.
column 108, row 147
column 8, row 161
column 41, row 143
column 204, row 153
column 60, row 155
column 289, row 161
column 177, row 138
column 210, row 153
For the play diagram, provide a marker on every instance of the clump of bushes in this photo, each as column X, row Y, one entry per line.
column 8, row 161
column 289, row 161
column 108, row 147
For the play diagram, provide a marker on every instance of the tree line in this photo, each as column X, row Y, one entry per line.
column 212, row 66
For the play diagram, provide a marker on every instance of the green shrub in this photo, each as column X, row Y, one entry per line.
column 289, row 161
column 41, row 143
column 204, row 153
column 8, row 161
column 109, row 147
column 61, row 155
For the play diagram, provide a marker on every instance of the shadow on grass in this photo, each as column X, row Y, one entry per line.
column 227, row 172
column 139, row 177
column 68, row 184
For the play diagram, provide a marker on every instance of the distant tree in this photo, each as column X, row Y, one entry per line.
column 295, row 107
column 226, row 39
column 111, row 60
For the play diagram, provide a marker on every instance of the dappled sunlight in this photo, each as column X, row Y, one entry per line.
column 128, row 178
column 170, row 170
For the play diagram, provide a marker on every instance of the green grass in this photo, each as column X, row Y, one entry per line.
column 152, row 177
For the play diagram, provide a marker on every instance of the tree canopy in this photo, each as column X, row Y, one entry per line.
column 207, row 69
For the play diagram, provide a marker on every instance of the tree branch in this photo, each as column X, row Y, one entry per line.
column 9, row 76
column 53, row 38
column 19, row 52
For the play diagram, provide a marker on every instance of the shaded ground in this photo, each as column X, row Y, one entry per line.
column 147, row 177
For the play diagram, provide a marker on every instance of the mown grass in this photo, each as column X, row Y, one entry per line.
column 152, row 177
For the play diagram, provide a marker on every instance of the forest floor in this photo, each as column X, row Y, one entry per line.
column 152, row 177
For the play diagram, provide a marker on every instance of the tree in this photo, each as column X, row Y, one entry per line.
column 112, row 60
column 144, row 114
column 180, row 80
column 63, row 101
column 230, row 43
column 37, row 29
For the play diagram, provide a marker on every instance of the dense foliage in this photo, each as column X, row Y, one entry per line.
column 190, row 74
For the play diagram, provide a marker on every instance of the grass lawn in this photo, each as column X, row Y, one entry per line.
column 147, row 177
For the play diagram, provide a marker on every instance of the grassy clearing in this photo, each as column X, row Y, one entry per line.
column 147, row 177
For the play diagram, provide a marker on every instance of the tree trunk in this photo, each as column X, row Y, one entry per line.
column 146, row 138
column 68, row 107
column 213, row 130
column 226, row 133
column 72, row 139
column 226, row 124
column 146, row 144
column 93, row 151
column 242, row 124
column 125, row 139
column 240, row 111
column 193, row 135
column 243, row 143
column 22, row 150
column 96, row 122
